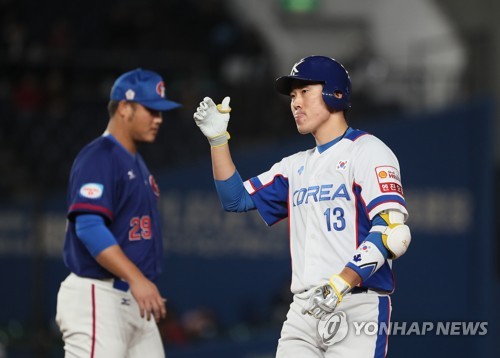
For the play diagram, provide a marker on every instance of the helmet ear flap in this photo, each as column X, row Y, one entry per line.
column 336, row 101
column 338, row 94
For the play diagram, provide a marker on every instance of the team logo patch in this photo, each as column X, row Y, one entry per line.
column 160, row 89
column 333, row 328
column 92, row 190
column 154, row 186
column 342, row 165
column 131, row 174
column 295, row 70
column 130, row 95
column 389, row 180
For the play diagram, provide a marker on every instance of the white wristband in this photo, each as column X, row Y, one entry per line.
column 219, row 140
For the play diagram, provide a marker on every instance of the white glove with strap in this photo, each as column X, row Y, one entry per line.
column 323, row 299
column 213, row 119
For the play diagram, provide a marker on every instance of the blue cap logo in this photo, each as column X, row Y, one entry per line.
column 160, row 89
column 144, row 87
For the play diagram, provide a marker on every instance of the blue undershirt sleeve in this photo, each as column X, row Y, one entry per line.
column 233, row 195
column 94, row 234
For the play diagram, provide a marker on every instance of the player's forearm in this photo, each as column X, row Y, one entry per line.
column 222, row 163
column 350, row 276
column 145, row 292
column 115, row 261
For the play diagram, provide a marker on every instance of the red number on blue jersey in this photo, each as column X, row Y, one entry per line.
column 146, row 228
column 140, row 228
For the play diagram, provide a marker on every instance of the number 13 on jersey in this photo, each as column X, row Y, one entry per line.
column 335, row 219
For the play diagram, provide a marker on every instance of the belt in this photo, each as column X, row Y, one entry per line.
column 120, row 285
column 354, row 291
column 117, row 283
column 358, row 289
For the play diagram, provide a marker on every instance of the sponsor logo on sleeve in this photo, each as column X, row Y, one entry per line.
column 92, row 190
column 389, row 180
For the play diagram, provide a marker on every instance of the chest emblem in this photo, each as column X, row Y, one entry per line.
column 154, row 186
column 342, row 165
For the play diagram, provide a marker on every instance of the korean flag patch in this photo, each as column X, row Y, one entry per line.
column 342, row 165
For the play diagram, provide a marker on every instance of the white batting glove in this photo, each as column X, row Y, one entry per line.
column 213, row 119
column 323, row 299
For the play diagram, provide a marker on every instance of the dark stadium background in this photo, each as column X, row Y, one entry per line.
column 57, row 62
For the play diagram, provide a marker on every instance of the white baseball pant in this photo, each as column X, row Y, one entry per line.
column 358, row 328
column 100, row 321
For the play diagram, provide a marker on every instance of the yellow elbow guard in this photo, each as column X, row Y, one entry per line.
column 396, row 236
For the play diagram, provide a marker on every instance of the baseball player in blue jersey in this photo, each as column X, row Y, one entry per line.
column 346, row 210
column 109, row 304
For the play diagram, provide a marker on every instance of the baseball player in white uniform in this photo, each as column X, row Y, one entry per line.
column 346, row 210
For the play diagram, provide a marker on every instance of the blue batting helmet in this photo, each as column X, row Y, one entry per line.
column 321, row 69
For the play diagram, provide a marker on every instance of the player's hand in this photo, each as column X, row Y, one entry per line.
column 149, row 299
column 323, row 299
column 213, row 119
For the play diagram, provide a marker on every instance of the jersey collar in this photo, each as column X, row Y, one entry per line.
column 110, row 136
column 323, row 147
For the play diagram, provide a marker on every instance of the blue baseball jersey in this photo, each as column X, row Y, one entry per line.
column 108, row 180
column 330, row 194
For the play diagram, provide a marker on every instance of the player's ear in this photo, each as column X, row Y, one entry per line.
column 338, row 94
column 124, row 108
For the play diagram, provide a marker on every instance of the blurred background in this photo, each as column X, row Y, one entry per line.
column 425, row 80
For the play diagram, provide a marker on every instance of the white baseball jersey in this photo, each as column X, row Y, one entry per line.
column 330, row 194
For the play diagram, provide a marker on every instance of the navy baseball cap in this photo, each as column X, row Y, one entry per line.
column 144, row 87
